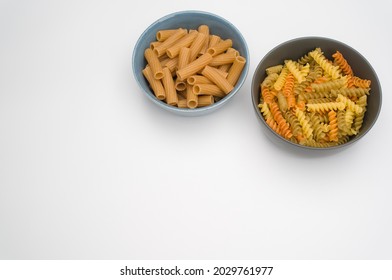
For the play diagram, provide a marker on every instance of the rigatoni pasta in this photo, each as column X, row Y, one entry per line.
column 154, row 63
column 192, row 68
column 314, row 101
column 170, row 90
column 155, row 84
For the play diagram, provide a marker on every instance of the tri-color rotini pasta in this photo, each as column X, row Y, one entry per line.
column 314, row 101
column 193, row 68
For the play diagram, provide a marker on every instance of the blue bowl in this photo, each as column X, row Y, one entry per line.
column 189, row 20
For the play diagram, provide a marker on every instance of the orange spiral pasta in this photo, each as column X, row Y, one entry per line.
column 350, row 81
column 342, row 63
column 272, row 124
column 361, row 83
column 281, row 121
column 333, row 126
column 267, row 95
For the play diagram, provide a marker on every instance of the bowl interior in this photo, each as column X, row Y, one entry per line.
column 189, row 20
column 294, row 50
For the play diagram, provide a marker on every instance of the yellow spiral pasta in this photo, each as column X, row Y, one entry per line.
column 299, row 75
column 288, row 90
column 362, row 102
column 278, row 85
column 328, row 67
column 324, row 107
column 304, row 122
column 265, row 111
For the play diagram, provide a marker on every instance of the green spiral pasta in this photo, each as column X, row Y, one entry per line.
column 294, row 124
column 318, row 128
column 350, row 92
column 328, row 86
column 274, row 69
column 342, row 125
column 320, row 100
column 307, row 58
column 270, row 80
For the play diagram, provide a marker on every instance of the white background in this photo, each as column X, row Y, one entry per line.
column 92, row 169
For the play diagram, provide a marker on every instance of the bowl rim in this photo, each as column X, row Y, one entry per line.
column 257, row 109
column 201, row 110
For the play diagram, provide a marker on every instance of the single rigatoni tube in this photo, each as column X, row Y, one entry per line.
column 186, row 41
column 214, row 75
column 196, row 46
column 191, row 97
column 206, row 31
column 154, row 63
column 236, row 70
column 162, row 35
column 155, row 84
column 161, row 49
column 179, row 85
column 222, row 72
column 170, row 90
column 183, row 58
column 223, row 58
column 198, row 79
column 205, row 100
column 213, row 41
column 220, row 47
column 208, row 89
column 194, row 66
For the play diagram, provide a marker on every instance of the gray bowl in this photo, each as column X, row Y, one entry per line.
column 295, row 49
column 189, row 20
